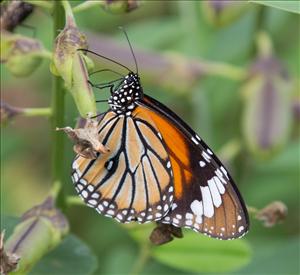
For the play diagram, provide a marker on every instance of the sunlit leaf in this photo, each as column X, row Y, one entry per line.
column 291, row 6
column 198, row 253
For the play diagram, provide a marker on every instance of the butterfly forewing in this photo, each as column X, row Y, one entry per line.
column 206, row 198
column 132, row 182
column 157, row 169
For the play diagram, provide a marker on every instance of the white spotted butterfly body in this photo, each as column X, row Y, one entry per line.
column 157, row 169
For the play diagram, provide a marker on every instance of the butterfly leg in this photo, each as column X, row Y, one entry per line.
column 101, row 85
column 104, row 85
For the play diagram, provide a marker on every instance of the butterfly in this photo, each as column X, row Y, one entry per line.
column 158, row 169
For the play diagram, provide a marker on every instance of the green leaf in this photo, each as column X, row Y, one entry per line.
column 196, row 253
column 72, row 256
column 291, row 6
column 274, row 256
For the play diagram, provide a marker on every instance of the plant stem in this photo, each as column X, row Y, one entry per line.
column 252, row 210
column 42, row 4
column 74, row 200
column 87, row 5
column 30, row 112
column 143, row 257
column 46, row 54
column 225, row 70
column 58, row 115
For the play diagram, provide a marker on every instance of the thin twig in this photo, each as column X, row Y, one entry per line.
column 142, row 259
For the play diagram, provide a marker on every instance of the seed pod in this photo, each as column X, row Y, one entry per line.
column 21, row 55
column 81, row 90
column 222, row 13
column 66, row 45
column 267, row 115
column 13, row 13
column 40, row 230
column 72, row 65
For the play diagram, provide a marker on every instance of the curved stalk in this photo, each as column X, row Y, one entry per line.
column 57, row 105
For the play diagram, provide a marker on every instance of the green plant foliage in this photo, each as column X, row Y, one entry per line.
column 274, row 256
column 281, row 170
column 197, row 253
column 198, row 70
column 8, row 223
column 291, row 6
column 72, row 256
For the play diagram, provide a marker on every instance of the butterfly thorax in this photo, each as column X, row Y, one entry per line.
column 123, row 98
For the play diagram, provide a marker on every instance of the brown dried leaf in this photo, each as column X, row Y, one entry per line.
column 8, row 261
column 86, row 139
column 272, row 214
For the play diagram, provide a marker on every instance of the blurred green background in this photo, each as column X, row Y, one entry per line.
column 217, row 107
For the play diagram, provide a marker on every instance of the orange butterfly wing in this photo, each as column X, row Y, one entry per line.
column 206, row 198
column 133, row 181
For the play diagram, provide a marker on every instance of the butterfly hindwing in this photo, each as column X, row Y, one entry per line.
column 206, row 198
column 133, row 181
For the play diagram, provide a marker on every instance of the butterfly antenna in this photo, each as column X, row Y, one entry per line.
column 104, row 57
column 136, row 66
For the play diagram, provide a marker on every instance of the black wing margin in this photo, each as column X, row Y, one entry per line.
column 206, row 198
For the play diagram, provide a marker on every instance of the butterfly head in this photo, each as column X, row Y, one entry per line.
column 124, row 97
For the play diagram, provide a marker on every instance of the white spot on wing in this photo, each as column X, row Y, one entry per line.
column 197, row 209
column 208, row 208
column 202, row 163
column 75, row 177
column 109, row 165
column 110, row 212
column 220, row 176
column 83, row 181
column 95, row 195
column 189, row 222
column 195, row 140
column 209, row 151
column 75, row 165
column 92, row 202
column 220, row 186
column 84, row 194
column 214, row 193
column 90, row 188
column 206, row 156
column 189, row 216
column 224, row 172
